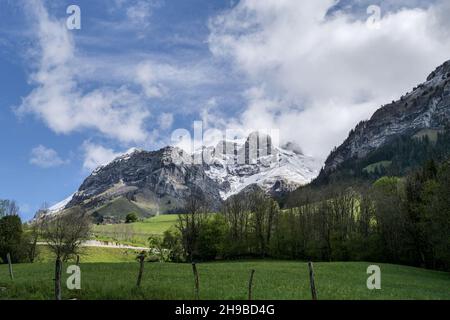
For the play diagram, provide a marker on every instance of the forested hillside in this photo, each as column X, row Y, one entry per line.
column 400, row 156
column 396, row 220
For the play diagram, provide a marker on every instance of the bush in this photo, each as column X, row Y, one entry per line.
column 131, row 218
column 173, row 244
column 211, row 238
column 12, row 239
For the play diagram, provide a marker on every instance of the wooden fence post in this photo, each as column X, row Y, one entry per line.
column 11, row 274
column 78, row 260
column 311, row 280
column 58, row 275
column 250, row 285
column 141, row 258
column 197, row 284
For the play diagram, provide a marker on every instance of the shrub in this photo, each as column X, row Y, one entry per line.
column 173, row 244
column 131, row 218
column 12, row 239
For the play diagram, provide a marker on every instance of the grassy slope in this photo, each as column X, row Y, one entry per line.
column 156, row 225
column 136, row 233
column 93, row 254
column 120, row 207
column 228, row 280
column 380, row 165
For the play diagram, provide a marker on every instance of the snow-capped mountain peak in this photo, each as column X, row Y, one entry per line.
column 236, row 165
column 159, row 181
column 60, row 205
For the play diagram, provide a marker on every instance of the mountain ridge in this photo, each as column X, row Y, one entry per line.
column 159, row 181
column 426, row 107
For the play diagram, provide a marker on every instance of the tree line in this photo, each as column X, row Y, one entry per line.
column 396, row 220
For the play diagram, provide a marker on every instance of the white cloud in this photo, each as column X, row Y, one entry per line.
column 44, row 157
column 80, row 87
column 59, row 99
column 209, row 114
column 315, row 76
column 165, row 121
column 140, row 13
column 112, row 93
column 149, row 81
column 137, row 15
column 96, row 155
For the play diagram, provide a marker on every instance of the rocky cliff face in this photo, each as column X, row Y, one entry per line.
column 160, row 179
column 274, row 169
column 427, row 107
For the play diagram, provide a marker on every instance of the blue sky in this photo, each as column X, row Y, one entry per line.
column 71, row 100
column 173, row 32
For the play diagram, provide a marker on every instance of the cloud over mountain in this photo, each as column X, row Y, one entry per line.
column 314, row 74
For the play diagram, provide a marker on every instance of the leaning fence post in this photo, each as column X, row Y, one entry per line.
column 194, row 269
column 8, row 257
column 141, row 259
column 250, row 284
column 311, row 280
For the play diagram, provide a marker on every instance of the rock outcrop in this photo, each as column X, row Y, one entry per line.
column 427, row 107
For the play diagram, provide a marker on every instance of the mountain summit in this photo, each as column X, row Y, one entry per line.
column 155, row 182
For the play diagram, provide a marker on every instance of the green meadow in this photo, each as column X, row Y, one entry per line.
column 226, row 280
column 135, row 233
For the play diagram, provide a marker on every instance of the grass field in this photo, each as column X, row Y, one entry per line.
column 93, row 254
column 228, row 280
column 135, row 233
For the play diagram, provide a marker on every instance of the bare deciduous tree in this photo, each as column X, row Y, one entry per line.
column 8, row 208
column 64, row 235
column 236, row 213
column 265, row 211
column 189, row 224
column 35, row 230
